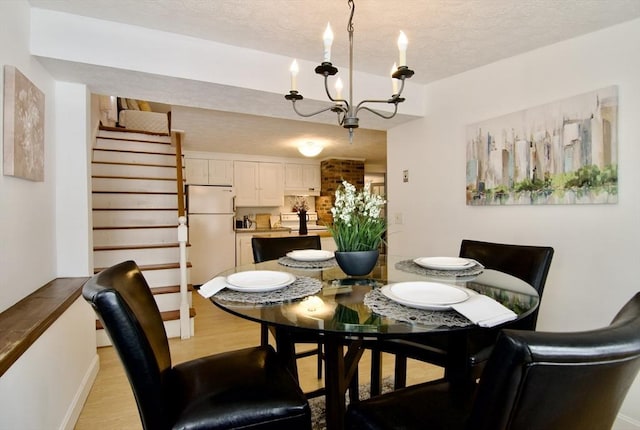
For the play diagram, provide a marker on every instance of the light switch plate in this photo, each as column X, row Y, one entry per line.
column 405, row 176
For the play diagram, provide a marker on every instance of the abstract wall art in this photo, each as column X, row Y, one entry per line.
column 23, row 140
column 565, row 152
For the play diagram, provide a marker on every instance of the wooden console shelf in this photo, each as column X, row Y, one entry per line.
column 23, row 323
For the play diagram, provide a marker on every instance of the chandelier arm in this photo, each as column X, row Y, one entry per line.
column 341, row 116
column 307, row 115
column 395, row 100
column 395, row 111
column 326, row 89
column 401, row 88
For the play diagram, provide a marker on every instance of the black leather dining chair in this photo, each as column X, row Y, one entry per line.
column 247, row 388
column 528, row 263
column 272, row 248
column 533, row 381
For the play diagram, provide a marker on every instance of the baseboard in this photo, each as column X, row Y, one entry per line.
column 73, row 413
column 624, row 422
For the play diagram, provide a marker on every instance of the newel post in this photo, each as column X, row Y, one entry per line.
column 185, row 323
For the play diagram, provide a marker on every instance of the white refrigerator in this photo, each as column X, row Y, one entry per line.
column 210, row 217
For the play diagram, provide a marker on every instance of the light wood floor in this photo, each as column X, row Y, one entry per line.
column 111, row 406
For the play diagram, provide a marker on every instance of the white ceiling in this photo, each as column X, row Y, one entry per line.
column 446, row 37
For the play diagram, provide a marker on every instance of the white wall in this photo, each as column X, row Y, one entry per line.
column 594, row 270
column 47, row 386
column 74, row 241
column 27, row 222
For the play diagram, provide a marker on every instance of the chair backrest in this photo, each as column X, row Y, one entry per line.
column 541, row 381
column 272, row 248
column 529, row 263
column 125, row 305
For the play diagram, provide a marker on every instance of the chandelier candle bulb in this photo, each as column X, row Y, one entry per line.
column 328, row 41
column 402, row 47
column 339, row 87
column 394, row 81
column 294, row 75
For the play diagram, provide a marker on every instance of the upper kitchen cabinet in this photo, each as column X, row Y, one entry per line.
column 208, row 172
column 301, row 179
column 258, row 183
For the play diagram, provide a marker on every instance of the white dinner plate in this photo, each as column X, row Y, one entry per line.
column 257, row 281
column 310, row 255
column 444, row 263
column 425, row 295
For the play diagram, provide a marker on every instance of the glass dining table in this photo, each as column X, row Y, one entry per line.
column 349, row 312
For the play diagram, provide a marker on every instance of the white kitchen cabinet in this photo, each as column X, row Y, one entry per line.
column 302, row 179
column 208, row 172
column 244, row 251
column 220, row 172
column 258, row 183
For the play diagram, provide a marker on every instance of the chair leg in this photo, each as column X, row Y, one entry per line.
column 264, row 334
column 376, row 372
column 319, row 360
column 400, row 372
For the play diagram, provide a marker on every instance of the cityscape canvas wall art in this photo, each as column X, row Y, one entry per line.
column 23, row 140
column 559, row 153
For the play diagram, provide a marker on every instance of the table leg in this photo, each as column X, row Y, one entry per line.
column 339, row 369
column 457, row 370
column 286, row 350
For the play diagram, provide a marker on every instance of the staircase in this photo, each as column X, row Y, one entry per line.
column 135, row 216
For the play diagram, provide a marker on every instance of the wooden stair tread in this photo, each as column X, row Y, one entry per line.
column 169, row 193
column 130, row 130
column 145, row 178
column 133, row 227
column 116, row 163
column 137, row 151
column 170, row 289
column 166, row 316
column 150, row 267
column 136, row 209
column 140, row 246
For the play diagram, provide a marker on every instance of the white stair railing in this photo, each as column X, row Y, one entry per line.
column 185, row 321
column 183, row 236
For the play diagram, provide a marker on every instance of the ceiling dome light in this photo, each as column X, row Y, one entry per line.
column 310, row 148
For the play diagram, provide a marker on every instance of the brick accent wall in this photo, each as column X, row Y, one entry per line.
column 333, row 172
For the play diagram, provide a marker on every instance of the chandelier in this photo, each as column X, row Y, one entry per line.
column 347, row 111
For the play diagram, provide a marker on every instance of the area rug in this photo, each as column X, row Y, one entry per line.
column 317, row 404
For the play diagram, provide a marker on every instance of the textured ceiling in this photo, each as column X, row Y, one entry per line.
column 446, row 37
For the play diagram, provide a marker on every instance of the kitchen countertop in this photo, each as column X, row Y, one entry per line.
column 321, row 233
column 261, row 230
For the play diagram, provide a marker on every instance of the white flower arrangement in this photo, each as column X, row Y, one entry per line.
column 357, row 224
column 300, row 204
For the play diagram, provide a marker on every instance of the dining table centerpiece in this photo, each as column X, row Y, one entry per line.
column 357, row 228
